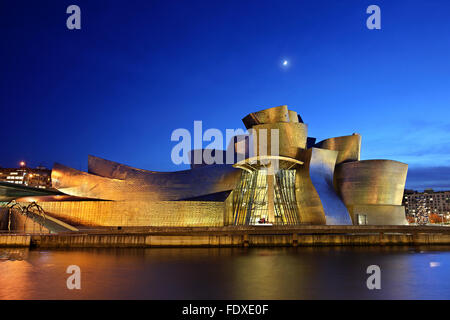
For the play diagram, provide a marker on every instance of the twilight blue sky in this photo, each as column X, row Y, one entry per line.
column 137, row 70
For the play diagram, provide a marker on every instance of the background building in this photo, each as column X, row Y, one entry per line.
column 433, row 202
column 39, row 177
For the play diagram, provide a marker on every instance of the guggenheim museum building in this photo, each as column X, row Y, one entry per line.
column 315, row 183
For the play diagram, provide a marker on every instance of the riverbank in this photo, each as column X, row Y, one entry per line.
column 234, row 237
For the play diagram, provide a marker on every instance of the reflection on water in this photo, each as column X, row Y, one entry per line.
column 227, row 273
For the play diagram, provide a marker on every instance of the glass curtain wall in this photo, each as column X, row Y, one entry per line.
column 250, row 200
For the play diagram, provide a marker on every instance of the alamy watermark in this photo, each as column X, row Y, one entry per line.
column 74, row 20
column 374, row 20
column 374, row 280
column 74, row 280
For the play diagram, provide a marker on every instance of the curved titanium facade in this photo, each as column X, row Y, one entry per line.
column 321, row 171
column 308, row 200
column 109, row 180
column 379, row 214
column 293, row 116
column 288, row 200
column 371, row 182
column 271, row 115
column 349, row 147
column 278, row 124
column 291, row 138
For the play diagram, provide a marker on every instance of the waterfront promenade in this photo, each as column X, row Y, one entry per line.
column 249, row 236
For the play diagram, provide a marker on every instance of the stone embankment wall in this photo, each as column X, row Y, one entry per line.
column 235, row 237
column 234, row 240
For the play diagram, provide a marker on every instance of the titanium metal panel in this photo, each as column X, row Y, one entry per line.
column 109, row 180
column 138, row 213
column 308, row 201
column 371, row 182
column 292, row 138
column 271, row 115
column 321, row 171
column 380, row 214
column 349, row 147
column 293, row 116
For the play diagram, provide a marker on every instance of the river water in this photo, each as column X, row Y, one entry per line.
column 227, row 273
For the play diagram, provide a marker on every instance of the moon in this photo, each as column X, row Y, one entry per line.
column 285, row 62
